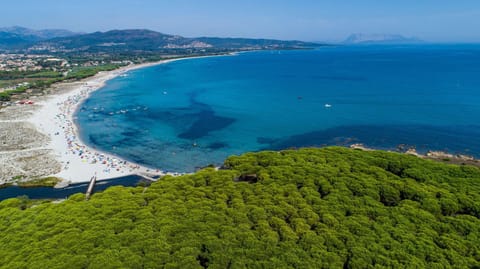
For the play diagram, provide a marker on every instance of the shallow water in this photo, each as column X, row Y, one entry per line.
column 191, row 113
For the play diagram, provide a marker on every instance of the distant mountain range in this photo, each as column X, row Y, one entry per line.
column 128, row 40
column 18, row 37
column 37, row 34
column 151, row 40
column 380, row 39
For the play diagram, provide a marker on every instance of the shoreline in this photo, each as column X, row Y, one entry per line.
column 434, row 155
column 56, row 133
column 79, row 162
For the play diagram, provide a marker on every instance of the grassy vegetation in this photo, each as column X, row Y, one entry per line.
column 44, row 79
column 45, row 74
column 40, row 182
column 311, row 208
column 6, row 95
column 6, row 185
column 18, row 177
column 84, row 72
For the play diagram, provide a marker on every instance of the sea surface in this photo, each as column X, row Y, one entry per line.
column 191, row 113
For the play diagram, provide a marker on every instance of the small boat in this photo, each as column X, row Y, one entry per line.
column 328, row 105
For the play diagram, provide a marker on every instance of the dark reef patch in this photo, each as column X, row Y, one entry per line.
column 206, row 122
column 191, row 122
column 217, row 145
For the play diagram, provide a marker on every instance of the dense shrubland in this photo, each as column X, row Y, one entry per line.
column 309, row 208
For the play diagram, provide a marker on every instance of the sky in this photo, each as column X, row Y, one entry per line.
column 309, row 20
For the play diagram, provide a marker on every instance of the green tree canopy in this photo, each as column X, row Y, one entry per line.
column 310, row 208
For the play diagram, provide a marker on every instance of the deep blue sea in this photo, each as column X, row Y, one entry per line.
column 191, row 113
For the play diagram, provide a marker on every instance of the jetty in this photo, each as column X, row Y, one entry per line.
column 93, row 180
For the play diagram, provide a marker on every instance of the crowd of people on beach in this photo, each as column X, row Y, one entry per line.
column 75, row 147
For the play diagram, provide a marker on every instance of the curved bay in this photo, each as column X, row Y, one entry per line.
column 191, row 113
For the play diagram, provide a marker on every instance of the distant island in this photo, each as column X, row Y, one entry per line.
column 366, row 39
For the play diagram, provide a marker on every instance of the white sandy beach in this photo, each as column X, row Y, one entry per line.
column 41, row 140
column 80, row 162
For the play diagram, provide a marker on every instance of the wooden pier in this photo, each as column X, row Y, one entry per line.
column 93, row 180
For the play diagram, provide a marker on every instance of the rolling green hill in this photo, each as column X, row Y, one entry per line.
column 131, row 40
column 147, row 40
column 309, row 208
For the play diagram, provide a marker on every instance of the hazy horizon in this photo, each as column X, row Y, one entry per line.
column 307, row 20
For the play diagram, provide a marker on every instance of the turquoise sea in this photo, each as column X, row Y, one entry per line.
column 191, row 113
